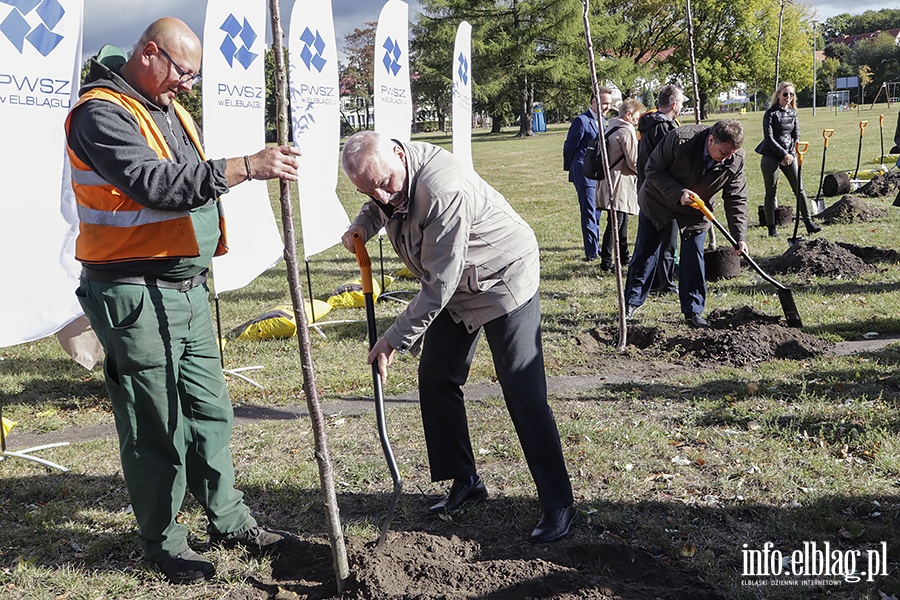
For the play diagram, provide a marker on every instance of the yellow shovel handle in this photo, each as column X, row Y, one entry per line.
column 801, row 148
column 827, row 133
column 862, row 127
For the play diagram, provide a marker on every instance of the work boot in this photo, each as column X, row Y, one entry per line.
column 187, row 567
column 772, row 231
column 812, row 227
column 257, row 540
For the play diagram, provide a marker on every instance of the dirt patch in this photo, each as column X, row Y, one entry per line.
column 441, row 564
column 820, row 257
column 883, row 185
column 851, row 209
column 737, row 336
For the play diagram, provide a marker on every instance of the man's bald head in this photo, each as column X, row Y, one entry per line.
column 166, row 54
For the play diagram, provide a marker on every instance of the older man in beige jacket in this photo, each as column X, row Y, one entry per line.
column 478, row 265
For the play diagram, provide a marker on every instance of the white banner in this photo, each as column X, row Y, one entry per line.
column 40, row 54
column 234, row 107
column 393, row 101
column 462, row 95
column 316, row 122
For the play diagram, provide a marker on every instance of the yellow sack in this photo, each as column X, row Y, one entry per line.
column 7, row 425
column 277, row 323
column 405, row 273
column 350, row 294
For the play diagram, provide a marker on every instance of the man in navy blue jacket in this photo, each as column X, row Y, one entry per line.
column 582, row 131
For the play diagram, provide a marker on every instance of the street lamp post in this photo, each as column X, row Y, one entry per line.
column 815, row 41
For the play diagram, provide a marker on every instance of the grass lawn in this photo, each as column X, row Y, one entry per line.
column 692, row 466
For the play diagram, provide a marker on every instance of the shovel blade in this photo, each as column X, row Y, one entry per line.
column 789, row 308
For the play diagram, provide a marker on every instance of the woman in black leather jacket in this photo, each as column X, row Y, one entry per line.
column 781, row 131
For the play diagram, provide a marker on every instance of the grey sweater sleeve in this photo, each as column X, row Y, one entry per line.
column 106, row 137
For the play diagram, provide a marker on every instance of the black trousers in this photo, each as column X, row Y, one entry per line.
column 515, row 343
column 607, row 249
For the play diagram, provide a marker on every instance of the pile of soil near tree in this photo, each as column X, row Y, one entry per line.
column 883, row 185
column 742, row 336
column 850, row 209
column 496, row 564
column 737, row 336
column 819, row 256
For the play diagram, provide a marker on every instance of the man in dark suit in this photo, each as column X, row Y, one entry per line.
column 582, row 131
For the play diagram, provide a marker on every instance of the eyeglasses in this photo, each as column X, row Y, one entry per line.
column 783, row 94
column 184, row 77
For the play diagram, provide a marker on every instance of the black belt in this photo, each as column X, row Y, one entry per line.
column 182, row 285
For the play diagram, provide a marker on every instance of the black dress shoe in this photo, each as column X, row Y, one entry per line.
column 187, row 567
column 459, row 495
column 554, row 525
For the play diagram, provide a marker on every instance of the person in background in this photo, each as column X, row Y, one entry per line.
column 582, row 131
column 781, row 131
column 479, row 267
column 653, row 127
column 150, row 222
column 693, row 159
column 621, row 140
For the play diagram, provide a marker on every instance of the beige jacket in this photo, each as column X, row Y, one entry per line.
column 623, row 145
column 472, row 253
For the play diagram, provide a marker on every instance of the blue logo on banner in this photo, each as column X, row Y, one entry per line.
column 313, row 47
column 391, row 56
column 238, row 40
column 463, row 69
column 16, row 28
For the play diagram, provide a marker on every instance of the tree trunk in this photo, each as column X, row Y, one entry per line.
column 526, row 105
column 613, row 213
column 496, row 123
column 317, row 420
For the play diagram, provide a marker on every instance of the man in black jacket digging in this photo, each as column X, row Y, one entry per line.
column 693, row 159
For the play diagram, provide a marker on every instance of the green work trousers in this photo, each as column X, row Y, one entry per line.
column 171, row 406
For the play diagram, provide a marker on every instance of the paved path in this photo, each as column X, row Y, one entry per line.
column 626, row 370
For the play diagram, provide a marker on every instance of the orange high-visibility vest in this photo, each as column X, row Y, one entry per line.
column 113, row 227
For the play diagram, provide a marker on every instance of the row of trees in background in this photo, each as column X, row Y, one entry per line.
column 533, row 50
column 875, row 61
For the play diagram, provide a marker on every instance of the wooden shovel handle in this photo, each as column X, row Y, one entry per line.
column 862, row 127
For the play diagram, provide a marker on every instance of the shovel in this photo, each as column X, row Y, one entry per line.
column 881, row 131
column 785, row 296
column 800, row 148
column 862, row 129
column 819, row 203
column 365, row 269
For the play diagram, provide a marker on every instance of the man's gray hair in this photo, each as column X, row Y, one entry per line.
column 728, row 130
column 363, row 148
column 668, row 96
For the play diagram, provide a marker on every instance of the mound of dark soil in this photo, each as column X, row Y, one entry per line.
column 742, row 336
column 737, row 336
column 424, row 566
column 819, row 257
column 883, row 185
column 850, row 209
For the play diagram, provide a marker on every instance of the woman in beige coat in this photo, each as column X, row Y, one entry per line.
column 622, row 144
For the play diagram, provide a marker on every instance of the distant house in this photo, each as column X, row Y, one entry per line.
column 851, row 40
